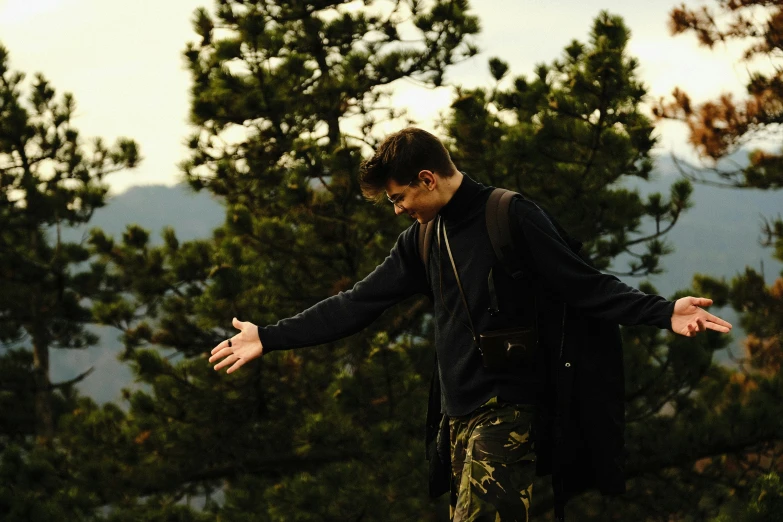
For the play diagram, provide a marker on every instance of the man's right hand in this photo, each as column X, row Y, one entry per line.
column 244, row 346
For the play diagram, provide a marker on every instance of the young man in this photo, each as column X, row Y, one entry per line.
column 490, row 409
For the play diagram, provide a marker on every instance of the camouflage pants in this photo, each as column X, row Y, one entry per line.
column 493, row 464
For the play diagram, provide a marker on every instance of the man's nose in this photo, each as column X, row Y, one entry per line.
column 398, row 210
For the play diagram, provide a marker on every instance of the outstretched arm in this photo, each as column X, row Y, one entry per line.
column 400, row 276
column 603, row 295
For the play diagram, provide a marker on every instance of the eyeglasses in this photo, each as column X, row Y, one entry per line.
column 398, row 198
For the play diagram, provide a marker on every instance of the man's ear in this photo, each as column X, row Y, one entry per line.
column 429, row 179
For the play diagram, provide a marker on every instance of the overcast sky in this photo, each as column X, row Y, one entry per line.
column 123, row 62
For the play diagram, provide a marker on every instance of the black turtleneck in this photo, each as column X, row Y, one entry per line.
column 465, row 383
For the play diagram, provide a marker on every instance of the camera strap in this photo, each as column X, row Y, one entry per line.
column 459, row 282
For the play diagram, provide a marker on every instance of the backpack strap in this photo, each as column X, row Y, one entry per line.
column 499, row 229
column 425, row 234
column 498, row 226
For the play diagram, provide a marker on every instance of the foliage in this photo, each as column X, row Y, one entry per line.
column 697, row 433
column 721, row 127
column 285, row 100
column 766, row 506
column 49, row 179
column 737, row 410
column 572, row 134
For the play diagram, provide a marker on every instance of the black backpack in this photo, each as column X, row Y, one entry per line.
column 574, row 450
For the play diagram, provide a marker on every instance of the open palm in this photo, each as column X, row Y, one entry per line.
column 243, row 347
column 689, row 318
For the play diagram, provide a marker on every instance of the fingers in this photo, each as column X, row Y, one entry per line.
column 707, row 322
column 700, row 320
column 237, row 361
column 226, row 351
column 236, row 365
column 692, row 329
column 718, row 328
column 701, row 301
column 223, row 345
column 717, row 324
column 717, row 320
column 225, row 362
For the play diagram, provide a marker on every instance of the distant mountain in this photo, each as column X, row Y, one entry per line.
column 192, row 215
column 719, row 236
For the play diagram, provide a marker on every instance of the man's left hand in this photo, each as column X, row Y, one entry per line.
column 689, row 318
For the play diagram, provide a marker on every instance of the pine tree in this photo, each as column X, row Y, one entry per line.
column 729, row 438
column 721, row 127
column 572, row 134
column 286, row 100
column 49, row 180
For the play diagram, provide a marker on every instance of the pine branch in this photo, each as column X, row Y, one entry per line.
column 717, row 449
column 281, row 463
column 71, row 382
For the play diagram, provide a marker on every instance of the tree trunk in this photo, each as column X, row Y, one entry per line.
column 44, row 419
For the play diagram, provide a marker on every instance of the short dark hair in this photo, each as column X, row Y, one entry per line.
column 400, row 157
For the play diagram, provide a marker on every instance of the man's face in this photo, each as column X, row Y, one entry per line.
column 416, row 200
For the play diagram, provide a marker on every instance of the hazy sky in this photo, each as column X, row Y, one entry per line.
column 123, row 62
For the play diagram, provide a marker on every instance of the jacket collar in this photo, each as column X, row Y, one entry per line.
column 463, row 201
